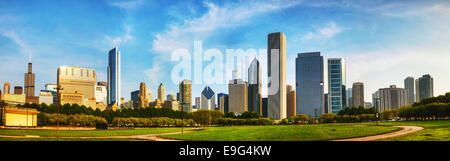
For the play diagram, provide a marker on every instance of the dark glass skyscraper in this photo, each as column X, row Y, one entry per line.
column 114, row 77
column 309, row 84
column 337, row 99
column 254, row 87
column 424, row 87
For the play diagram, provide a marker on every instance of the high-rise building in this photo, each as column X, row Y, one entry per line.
column 171, row 97
column 265, row 107
column 358, row 94
column 208, row 100
column 291, row 107
column 186, row 95
column 18, row 90
column 46, row 96
column 143, row 100
column 101, row 93
column 198, row 103
column 254, row 87
column 376, row 100
column 161, row 93
column 309, row 82
column 114, row 77
column 6, row 88
column 29, row 80
column 424, row 87
column 337, row 99
column 409, row 87
column 238, row 95
column 276, row 58
column 350, row 97
column 222, row 102
column 77, row 86
column 52, row 88
column 325, row 96
column 392, row 98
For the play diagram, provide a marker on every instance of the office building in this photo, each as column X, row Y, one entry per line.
column 337, row 99
column 14, row 99
column 358, row 94
column 237, row 96
column 392, row 98
column 6, row 88
column 101, row 94
column 185, row 88
column 424, row 87
column 309, row 84
column 113, row 77
column 171, row 104
column 291, row 104
column 409, row 87
column 222, row 102
column 52, row 88
column 207, row 99
column 367, row 105
column 350, row 97
column 29, row 80
column 161, row 93
column 276, row 58
column 18, row 90
column 198, row 103
column 143, row 100
column 325, row 109
column 376, row 100
column 77, row 85
column 265, row 107
column 46, row 96
column 254, row 87
column 171, row 97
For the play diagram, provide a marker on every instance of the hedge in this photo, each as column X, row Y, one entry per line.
column 252, row 121
column 151, row 122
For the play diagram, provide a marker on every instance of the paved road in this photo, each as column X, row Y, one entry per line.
column 403, row 130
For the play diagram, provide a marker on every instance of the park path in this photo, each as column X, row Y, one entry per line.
column 153, row 137
column 403, row 130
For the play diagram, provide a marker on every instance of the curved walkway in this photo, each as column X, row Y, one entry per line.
column 403, row 130
column 153, row 137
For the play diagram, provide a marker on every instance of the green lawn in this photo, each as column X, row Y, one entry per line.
column 283, row 132
column 433, row 131
column 73, row 133
column 65, row 139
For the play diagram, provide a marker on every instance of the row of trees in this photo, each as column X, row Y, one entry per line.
column 331, row 117
column 251, row 121
column 46, row 119
column 357, row 111
column 151, row 122
column 432, row 111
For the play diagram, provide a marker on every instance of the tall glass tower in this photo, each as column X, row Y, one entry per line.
column 114, row 77
column 337, row 99
column 276, row 72
column 309, row 84
column 254, row 87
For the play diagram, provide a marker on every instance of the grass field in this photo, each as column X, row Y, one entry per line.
column 74, row 133
column 283, row 132
column 65, row 139
column 433, row 131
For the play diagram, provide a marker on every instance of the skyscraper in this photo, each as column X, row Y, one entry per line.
column 18, row 90
column 29, row 80
column 337, row 99
column 391, row 98
column 309, row 81
column 376, row 100
column 350, row 97
column 143, row 100
column 161, row 93
column 238, row 95
column 198, row 103
column 114, row 77
column 222, row 102
column 291, row 105
column 254, row 87
column 78, row 86
column 6, row 88
column 207, row 99
column 358, row 94
column 409, row 87
column 186, row 95
column 276, row 60
column 424, row 87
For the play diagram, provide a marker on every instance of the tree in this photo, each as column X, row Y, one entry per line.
column 249, row 114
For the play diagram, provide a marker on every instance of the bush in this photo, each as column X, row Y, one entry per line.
column 252, row 121
column 328, row 118
column 150, row 122
column 207, row 117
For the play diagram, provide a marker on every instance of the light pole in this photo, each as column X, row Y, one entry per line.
column 58, row 88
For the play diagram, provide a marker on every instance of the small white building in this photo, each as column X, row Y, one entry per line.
column 101, row 94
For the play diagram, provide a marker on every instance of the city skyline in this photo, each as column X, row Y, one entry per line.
column 20, row 43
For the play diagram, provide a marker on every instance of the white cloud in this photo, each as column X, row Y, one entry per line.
column 217, row 17
column 155, row 73
column 327, row 32
column 117, row 41
column 127, row 4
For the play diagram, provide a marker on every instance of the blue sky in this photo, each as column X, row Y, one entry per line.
column 383, row 41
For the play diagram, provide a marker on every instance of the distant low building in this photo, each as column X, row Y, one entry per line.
column 19, row 116
column 171, row 105
column 14, row 99
column 46, row 97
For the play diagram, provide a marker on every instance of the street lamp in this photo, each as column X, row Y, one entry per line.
column 58, row 88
